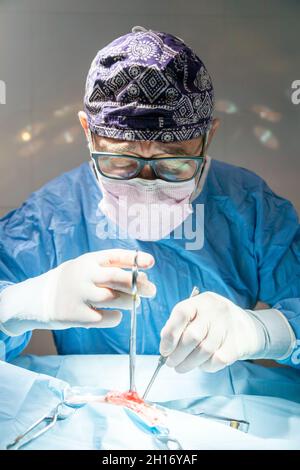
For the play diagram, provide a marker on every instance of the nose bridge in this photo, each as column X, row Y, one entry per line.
column 147, row 172
column 148, row 148
column 146, row 152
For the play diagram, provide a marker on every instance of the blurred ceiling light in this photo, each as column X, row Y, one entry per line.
column 26, row 136
column 31, row 131
column 266, row 113
column 226, row 106
column 68, row 137
column 266, row 137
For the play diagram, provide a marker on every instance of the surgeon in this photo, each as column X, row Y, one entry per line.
column 151, row 186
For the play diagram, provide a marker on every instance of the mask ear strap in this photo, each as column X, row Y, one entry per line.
column 195, row 193
column 90, row 140
column 205, row 140
column 90, row 146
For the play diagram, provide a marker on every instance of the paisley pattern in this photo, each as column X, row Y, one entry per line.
column 148, row 85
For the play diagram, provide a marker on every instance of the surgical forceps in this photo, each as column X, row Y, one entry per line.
column 61, row 411
column 50, row 419
column 163, row 359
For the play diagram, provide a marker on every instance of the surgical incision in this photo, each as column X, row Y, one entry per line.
column 131, row 400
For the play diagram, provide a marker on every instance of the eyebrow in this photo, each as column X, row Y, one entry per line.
column 132, row 148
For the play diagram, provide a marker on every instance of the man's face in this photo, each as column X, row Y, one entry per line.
column 148, row 149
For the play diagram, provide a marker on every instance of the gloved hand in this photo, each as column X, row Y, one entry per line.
column 212, row 332
column 67, row 294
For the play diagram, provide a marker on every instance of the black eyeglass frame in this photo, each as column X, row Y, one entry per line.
column 151, row 162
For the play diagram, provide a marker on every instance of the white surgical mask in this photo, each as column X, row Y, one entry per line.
column 146, row 209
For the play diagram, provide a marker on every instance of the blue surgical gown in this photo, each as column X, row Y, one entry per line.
column 251, row 253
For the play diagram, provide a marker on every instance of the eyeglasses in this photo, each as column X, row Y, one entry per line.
column 125, row 167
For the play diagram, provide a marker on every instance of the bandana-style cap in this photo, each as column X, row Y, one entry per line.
column 148, row 85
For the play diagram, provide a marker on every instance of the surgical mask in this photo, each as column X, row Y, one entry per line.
column 146, row 209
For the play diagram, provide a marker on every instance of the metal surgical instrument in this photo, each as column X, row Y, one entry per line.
column 132, row 345
column 163, row 359
column 49, row 420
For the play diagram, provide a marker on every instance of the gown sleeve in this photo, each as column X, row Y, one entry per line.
column 277, row 251
column 26, row 250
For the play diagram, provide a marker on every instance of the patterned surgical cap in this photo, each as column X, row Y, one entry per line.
column 148, row 85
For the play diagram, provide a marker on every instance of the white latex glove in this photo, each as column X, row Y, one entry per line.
column 212, row 332
column 62, row 297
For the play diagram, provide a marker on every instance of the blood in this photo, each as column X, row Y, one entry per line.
column 131, row 400
column 121, row 398
column 134, row 402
